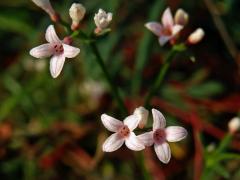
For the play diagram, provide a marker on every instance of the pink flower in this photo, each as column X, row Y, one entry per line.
column 123, row 132
column 55, row 48
column 160, row 135
column 167, row 30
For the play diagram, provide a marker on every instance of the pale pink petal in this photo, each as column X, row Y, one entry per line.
column 167, row 19
column 163, row 40
column 175, row 133
column 70, row 51
column 111, row 123
column 112, row 143
column 176, row 29
column 133, row 143
column 163, row 152
column 159, row 121
column 51, row 35
column 42, row 51
column 131, row 121
column 56, row 65
column 155, row 27
column 146, row 138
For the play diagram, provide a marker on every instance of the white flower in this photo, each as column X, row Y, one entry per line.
column 234, row 125
column 165, row 31
column 47, row 7
column 76, row 12
column 181, row 17
column 102, row 19
column 160, row 135
column 123, row 132
column 142, row 114
column 196, row 36
column 55, row 48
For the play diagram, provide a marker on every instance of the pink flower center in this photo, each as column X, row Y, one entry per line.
column 58, row 48
column 124, row 131
column 159, row 135
column 166, row 31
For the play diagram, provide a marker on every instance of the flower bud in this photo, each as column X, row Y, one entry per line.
column 234, row 125
column 196, row 36
column 142, row 114
column 181, row 17
column 102, row 20
column 47, row 7
column 76, row 12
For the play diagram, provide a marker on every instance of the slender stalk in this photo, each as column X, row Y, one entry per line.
column 160, row 76
column 114, row 89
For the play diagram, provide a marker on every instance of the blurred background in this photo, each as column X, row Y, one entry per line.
column 51, row 128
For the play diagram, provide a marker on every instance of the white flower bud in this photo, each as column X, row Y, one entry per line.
column 142, row 114
column 76, row 12
column 181, row 17
column 196, row 36
column 47, row 7
column 102, row 20
column 234, row 125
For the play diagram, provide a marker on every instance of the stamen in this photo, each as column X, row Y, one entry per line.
column 159, row 135
column 124, row 131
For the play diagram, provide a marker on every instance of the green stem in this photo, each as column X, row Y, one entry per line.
column 114, row 89
column 160, row 76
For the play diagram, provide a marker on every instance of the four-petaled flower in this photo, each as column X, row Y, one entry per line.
column 160, row 135
column 167, row 30
column 123, row 132
column 55, row 48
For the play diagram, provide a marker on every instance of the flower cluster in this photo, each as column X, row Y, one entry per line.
column 171, row 27
column 159, row 136
column 58, row 49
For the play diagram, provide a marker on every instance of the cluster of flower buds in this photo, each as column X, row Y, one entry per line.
column 171, row 27
column 102, row 20
column 159, row 136
column 77, row 13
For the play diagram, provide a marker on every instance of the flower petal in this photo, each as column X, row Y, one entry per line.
column 146, row 138
column 70, row 51
column 167, row 19
column 111, row 123
column 51, row 35
column 56, row 65
column 133, row 143
column 155, row 27
column 159, row 121
column 163, row 40
column 175, row 133
column 176, row 29
column 131, row 121
column 42, row 51
column 112, row 143
column 163, row 152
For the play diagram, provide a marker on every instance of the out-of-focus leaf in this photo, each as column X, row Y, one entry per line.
column 15, row 24
column 207, row 89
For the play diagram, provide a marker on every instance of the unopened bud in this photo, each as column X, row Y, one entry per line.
column 234, row 125
column 181, row 17
column 47, row 7
column 142, row 114
column 68, row 40
column 77, row 13
column 196, row 36
column 102, row 20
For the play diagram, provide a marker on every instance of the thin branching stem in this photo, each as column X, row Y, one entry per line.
column 114, row 89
